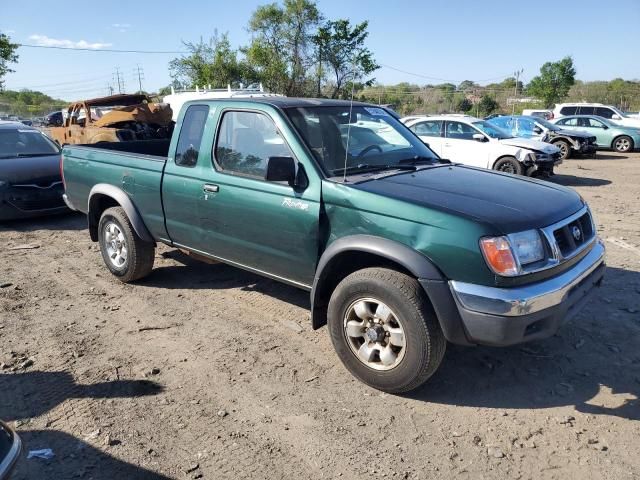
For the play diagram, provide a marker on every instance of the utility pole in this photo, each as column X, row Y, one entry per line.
column 140, row 72
column 110, row 89
column 120, row 80
column 515, row 90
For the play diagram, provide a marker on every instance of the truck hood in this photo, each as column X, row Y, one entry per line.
column 530, row 144
column 507, row 203
column 42, row 170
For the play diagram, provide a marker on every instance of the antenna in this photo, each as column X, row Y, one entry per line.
column 346, row 152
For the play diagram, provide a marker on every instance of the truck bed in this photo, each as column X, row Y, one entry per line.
column 134, row 167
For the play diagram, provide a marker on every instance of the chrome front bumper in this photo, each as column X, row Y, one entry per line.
column 506, row 316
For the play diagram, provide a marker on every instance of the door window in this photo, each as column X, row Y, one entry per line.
column 245, row 142
column 569, row 122
column 568, row 110
column 460, row 131
column 593, row 123
column 586, row 110
column 191, row 135
column 604, row 112
column 428, row 129
column 525, row 126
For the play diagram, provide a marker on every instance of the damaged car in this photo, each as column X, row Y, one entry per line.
column 117, row 118
column 471, row 141
column 569, row 142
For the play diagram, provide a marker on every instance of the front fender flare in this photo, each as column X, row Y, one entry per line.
column 411, row 260
column 124, row 201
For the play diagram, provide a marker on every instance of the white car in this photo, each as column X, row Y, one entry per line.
column 607, row 111
column 475, row 142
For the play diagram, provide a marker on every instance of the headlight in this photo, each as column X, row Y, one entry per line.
column 504, row 255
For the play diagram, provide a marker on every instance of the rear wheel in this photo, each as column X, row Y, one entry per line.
column 125, row 254
column 508, row 165
column 565, row 149
column 623, row 144
column 384, row 330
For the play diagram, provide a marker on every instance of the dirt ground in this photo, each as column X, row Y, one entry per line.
column 204, row 371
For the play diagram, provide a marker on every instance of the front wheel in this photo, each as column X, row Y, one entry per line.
column 623, row 144
column 126, row 255
column 565, row 149
column 384, row 330
column 508, row 165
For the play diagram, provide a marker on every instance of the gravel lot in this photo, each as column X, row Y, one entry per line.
column 204, row 371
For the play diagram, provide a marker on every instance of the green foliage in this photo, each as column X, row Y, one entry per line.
column 281, row 50
column 466, row 85
column 554, row 81
column 487, row 105
column 212, row 63
column 7, row 55
column 463, row 105
column 342, row 49
column 28, row 103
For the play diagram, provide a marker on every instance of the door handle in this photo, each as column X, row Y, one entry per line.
column 210, row 188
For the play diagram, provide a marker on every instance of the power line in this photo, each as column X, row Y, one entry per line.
column 110, row 50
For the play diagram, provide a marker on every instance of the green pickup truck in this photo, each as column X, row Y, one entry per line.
column 401, row 251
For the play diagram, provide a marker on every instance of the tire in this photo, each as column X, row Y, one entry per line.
column 418, row 351
column 126, row 255
column 565, row 149
column 622, row 144
column 508, row 165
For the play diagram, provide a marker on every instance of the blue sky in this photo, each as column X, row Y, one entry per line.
column 452, row 41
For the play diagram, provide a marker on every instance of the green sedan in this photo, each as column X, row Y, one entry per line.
column 608, row 133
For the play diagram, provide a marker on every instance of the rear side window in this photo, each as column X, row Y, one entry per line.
column 604, row 112
column 568, row 110
column 245, row 142
column 429, row 129
column 191, row 135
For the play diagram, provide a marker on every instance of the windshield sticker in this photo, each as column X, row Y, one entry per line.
column 376, row 111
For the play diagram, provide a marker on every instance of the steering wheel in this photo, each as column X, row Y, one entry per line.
column 369, row 149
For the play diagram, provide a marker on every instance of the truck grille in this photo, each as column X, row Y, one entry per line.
column 570, row 237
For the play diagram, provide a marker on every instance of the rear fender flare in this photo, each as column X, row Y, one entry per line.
column 119, row 196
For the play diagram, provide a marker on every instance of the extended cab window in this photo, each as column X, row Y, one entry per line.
column 191, row 135
column 245, row 142
column 428, row 129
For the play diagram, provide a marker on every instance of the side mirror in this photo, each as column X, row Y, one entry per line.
column 478, row 137
column 10, row 448
column 616, row 117
column 604, row 127
column 281, row 169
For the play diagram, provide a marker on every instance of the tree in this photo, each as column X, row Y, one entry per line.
column 281, row 49
column 342, row 49
column 467, row 85
column 487, row 105
column 7, row 55
column 554, row 81
column 212, row 63
column 463, row 105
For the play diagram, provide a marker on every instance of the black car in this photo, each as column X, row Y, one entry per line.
column 54, row 119
column 10, row 448
column 30, row 181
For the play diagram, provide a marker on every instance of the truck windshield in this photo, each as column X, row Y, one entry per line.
column 369, row 138
column 492, row 130
column 25, row 143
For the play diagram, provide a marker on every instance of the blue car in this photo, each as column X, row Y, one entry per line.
column 608, row 133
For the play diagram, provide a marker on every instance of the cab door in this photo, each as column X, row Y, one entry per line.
column 459, row 145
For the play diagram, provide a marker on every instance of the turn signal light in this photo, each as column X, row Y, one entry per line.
column 498, row 255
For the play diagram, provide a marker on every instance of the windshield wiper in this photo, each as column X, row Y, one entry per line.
column 21, row 155
column 417, row 160
column 365, row 167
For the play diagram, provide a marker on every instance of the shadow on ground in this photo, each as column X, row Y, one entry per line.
column 593, row 363
column 74, row 458
column 194, row 274
column 67, row 221
column 573, row 181
column 32, row 394
column 29, row 395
